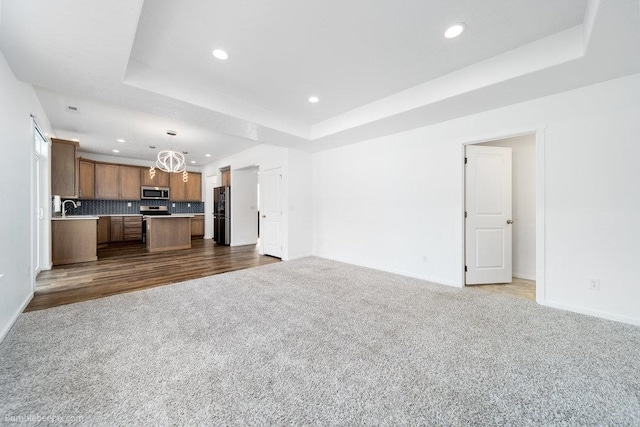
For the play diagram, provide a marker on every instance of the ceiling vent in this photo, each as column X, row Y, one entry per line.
column 72, row 109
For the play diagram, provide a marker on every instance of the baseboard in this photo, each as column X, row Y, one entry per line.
column 427, row 278
column 524, row 276
column 7, row 328
column 291, row 258
column 591, row 312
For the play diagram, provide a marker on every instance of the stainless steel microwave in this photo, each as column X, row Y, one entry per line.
column 154, row 193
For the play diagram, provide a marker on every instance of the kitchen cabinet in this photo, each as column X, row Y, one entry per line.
column 129, row 182
column 225, row 178
column 86, row 179
column 117, row 229
column 106, row 181
column 132, row 228
column 194, row 187
column 63, row 168
column 177, row 188
column 73, row 240
column 116, row 182
column 190, row 191
column 197, row 226
column 104, row 230
column 161, row 178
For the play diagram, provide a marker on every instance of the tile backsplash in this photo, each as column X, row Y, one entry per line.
column 119, row 207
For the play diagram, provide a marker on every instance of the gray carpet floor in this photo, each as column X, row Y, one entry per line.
column 318, row 342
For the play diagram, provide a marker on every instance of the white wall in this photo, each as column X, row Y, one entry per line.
column 300, row 204
column 244, row 206
column 523, row 150
column 17, row 102
column 387, row 202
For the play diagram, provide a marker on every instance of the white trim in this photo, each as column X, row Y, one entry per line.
column 429, row 279
column 524, row 276
column 291, row 258
column 590, row 312
column 7, row 328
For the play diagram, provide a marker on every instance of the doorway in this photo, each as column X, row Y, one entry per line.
column 39, row 200
column 271, row 212
column 518, row 233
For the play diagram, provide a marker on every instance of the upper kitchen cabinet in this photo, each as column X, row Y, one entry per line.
column 63, row 168
column 129, row 177
column 225, row 177
column 117, row 182
column 194, row 187
column 107, row 181
column 161, row 178
column 177, row 188
column 190, row 191
column 86, row 179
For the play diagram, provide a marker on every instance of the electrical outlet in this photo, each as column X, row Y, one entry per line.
column 173, row 205
column 594, row 284
column 78, row 203
column 128, row 204
column 188, row 205
column 425, row 259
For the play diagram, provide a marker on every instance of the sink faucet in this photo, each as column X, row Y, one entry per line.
column 64, row 204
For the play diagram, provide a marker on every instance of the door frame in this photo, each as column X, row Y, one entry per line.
column 539, row 133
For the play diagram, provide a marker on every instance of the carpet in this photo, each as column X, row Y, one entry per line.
column 318, row 342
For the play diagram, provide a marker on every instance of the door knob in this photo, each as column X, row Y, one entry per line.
column 509, row 221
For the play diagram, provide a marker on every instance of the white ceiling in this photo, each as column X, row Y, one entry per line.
column 136, row 68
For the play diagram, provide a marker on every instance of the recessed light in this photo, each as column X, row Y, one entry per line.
column 120, row 140
column 116, row 151
column 455, row 30
column 207, row 155
column 313, row 99
column 220, row 54
column 193, row 161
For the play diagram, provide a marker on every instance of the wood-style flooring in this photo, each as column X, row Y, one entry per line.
column 129, row 267
column 519, row 288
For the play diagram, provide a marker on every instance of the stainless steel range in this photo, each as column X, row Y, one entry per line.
column 151, row 210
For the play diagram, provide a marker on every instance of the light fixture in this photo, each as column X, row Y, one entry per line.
column 170, row 161
column 313, row 99
column 120, row 140
column 220, row 54
column 193, row 162
column 455, row 30
column 115, row 151
column 207, row 155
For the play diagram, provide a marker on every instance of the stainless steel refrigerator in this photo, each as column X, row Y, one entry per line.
column 222, row 215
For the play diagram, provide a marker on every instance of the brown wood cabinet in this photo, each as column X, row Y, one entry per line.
column 190, row 191
column 73, row 240
column 107, row 181
column 86, row 179
column 197, row 226
column 194, row 187
column 225, row 178
column 117, row 182
column 132, row 228
column 104, row 230
column 63, row 168
column 129, row 182
column 117, row 229
column 161, row 178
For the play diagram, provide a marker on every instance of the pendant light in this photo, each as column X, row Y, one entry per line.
column 170, row 161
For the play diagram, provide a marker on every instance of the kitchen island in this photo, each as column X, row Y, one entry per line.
column 167, row 233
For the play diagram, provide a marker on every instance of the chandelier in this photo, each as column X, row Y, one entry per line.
column 170, row 161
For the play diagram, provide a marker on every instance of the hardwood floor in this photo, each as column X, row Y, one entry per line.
column 129, row 267
column 520, row 288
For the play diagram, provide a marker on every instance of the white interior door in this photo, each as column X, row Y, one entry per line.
column 271, row 212
column 488, row 227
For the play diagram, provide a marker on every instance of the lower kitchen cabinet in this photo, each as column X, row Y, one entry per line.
column 104, row 230
column 117, row 229
column 197, row 226
column 132, row 228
